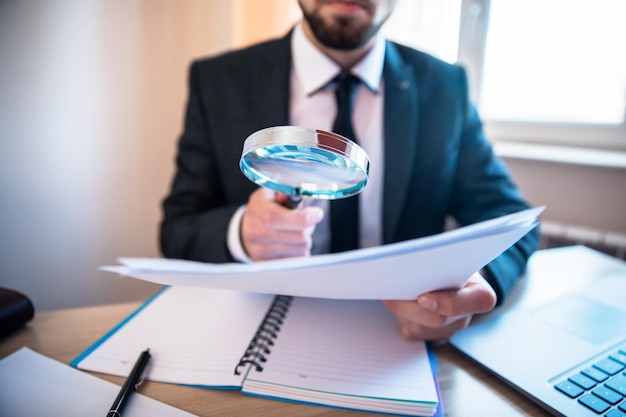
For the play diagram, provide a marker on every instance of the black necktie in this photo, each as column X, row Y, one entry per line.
column 344, row 212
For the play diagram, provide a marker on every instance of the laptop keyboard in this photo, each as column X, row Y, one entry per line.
column 600, row 387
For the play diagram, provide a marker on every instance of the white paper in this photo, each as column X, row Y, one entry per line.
column 35, row 385
column 356, row 357
column 399, row 271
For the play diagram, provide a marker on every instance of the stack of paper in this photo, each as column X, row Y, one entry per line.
column 398, row 271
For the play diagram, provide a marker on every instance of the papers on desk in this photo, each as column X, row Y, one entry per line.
column 397, row 271
column 34, row 385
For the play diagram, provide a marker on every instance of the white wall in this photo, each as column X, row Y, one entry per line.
column 91, row 105
column 588, row 196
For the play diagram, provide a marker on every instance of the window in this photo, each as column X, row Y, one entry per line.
column 431, row 26
column 560, row 61
column 544, row 71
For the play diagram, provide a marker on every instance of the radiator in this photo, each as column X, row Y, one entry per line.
column 555, row 235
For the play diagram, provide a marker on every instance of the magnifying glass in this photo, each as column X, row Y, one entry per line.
column 304, row 162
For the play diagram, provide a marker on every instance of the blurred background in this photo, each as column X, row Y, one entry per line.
column 92, row 94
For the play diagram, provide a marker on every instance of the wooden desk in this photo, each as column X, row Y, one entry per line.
column 467, row 389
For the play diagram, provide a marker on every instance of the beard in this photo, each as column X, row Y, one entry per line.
column 341, row 33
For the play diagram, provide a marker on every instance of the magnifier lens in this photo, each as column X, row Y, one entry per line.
column 305, row 162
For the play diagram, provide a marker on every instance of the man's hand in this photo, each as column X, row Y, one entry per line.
column 269, row 230
column 439, row 314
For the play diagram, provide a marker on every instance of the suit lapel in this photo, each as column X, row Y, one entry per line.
column 400, row 132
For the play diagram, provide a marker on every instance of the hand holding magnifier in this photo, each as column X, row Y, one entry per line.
column 305, row 162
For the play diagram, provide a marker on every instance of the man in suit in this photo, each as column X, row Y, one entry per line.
column 429, row 156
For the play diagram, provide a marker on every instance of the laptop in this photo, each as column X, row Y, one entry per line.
column 561, row 336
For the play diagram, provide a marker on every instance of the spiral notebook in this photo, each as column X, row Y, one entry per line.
column 337, row 353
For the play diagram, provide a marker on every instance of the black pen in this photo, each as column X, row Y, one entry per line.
column 130, row 384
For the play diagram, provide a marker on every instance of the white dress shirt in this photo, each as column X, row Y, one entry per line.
column 312, row 104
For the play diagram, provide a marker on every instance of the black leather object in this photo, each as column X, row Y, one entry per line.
column 16, row 310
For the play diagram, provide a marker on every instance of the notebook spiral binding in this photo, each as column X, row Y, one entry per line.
column 259, row 347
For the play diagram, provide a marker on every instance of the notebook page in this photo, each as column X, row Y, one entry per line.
column 196, row 337
column 350, row 348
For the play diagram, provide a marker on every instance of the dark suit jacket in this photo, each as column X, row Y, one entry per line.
column 437, row 160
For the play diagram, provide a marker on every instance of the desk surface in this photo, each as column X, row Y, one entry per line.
column 467, row 389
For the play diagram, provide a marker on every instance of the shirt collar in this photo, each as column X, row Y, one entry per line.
column 314, row 70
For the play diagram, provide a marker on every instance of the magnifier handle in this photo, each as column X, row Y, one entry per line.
column 292, row 201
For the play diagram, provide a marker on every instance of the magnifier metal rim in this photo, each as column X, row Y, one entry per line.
column 312, row 138
column 305, row 136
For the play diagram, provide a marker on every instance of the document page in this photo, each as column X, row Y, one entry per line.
column 35, row 385
column 196, row 336
column 398, row 271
